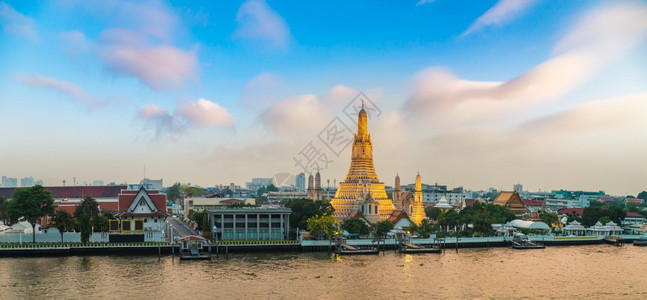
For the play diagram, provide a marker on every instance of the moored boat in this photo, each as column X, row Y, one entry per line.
column 641, row 242
column 521, row 241
column 193, row 248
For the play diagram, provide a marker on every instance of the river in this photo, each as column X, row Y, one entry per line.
column 594, row 271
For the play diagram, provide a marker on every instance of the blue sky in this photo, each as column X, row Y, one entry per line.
column 474, row 93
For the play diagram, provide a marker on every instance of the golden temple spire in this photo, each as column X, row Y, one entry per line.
column 362, row 122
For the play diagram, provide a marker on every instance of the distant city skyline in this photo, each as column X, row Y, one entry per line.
column 549, row 94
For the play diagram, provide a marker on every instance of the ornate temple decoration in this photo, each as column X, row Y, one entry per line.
column 362, row 190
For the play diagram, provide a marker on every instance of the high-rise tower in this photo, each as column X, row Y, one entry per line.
column 362, row 190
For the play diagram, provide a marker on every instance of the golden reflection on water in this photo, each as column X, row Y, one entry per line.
column 599, row 271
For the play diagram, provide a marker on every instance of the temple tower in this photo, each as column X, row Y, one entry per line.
column 311, row 188
column 362, row 179
column 418, row 209
column 397, row 193
column 318, row 189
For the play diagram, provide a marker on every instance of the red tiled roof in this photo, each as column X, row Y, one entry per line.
column 61, row 192
column 396, row 216
column 127, row 214
column 469, row 202
column 70, row 207
column 636, row 201
column 632, row 214
column 127, row 197
column 533, row 202
column 606, row 198
column 571, row 211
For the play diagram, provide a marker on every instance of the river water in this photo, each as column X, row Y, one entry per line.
column 595, row 272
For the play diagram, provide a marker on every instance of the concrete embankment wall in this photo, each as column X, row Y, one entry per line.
column 68, row 251
column 306, row 245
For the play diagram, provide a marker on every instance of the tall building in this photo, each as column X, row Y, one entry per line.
column 9, row 181
column 301, row 181
column 27, row 181
column 362, row 190
column 258, row 183
column 518, row 187
column 152, row 184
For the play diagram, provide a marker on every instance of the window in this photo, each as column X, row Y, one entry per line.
column 155, row 220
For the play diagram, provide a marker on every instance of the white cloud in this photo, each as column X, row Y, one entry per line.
column 201, row 113
column 503, row 11
column 580, row 54
column 511, row 131
column 13, row 22
column 260, row 23
column 75, row 42
column 297, row 115
column 160, row 119
column 142, row 47
column 263, row 90
column 607, row 30
column 423, row 2
column 306, row 114
column 204, row 113
column 64, row 87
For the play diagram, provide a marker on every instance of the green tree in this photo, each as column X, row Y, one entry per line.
column 192, row 191
column 642, row 195
column 551, row 219
column 323, row 226
column 3, row 209
column 433, row 212
column 197, row 216
column 206, row 229
column 64, row 222
column 383, row 227
column 175, row 193
column 423, row 230
column 303, row 209
column 31, row 204
column 272, row 188
column 100, row 223
column 84, row 221
column 86, row 213
column 591, row 215
column 615, row 213
column 355, row 226
column 604, row 220
column 631, row 207
column 91, row 203
column 449, row 219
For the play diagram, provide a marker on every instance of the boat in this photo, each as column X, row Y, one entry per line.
column 521, row 241
column 343, row 248
column 410, row 248
column 192, row 248
column 642, row 242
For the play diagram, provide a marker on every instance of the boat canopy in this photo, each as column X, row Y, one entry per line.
column 529, row 225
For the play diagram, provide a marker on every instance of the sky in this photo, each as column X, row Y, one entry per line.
column 479, row 94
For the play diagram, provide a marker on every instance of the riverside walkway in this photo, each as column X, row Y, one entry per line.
column 157, row 247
